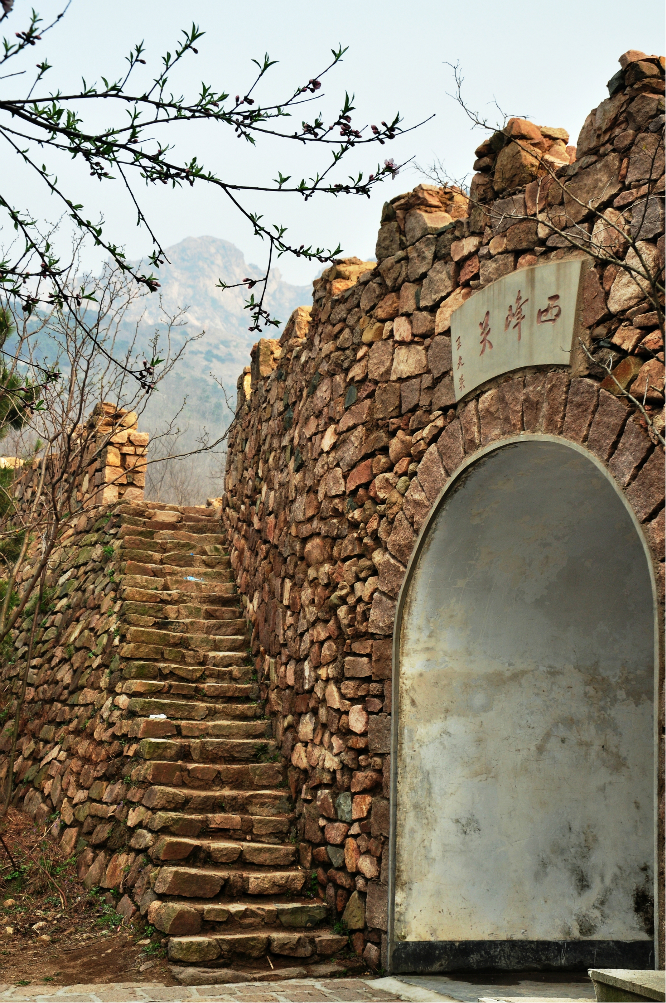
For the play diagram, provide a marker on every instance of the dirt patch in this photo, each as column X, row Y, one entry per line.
column 53, row 930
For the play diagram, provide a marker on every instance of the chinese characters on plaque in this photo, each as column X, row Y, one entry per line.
column 526, row 318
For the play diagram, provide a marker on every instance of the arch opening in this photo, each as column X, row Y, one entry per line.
column 523, row 748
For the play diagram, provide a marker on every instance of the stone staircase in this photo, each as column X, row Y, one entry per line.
column 216, row 818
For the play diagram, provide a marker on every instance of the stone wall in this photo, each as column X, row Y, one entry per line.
column 347, row 429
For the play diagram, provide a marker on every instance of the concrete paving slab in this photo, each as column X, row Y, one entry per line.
column 506, row 986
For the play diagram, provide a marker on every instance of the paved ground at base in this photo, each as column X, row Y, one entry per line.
column 506, row 986
column 500, row 988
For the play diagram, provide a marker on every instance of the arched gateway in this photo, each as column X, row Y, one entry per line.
column 523, row 830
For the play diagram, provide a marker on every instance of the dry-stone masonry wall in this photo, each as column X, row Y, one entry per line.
column 347, row 430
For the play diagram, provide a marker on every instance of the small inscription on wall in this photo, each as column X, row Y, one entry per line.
column 526, row 318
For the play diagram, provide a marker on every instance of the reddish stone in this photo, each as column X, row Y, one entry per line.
column 490, row 418
column 335, row 833
column 391, row 575
column 365, row 780
column 511, row 394
column 400, row 445
column 646, row 493
column 469, row 421
column 379, row 734
column 377, row 906
column 607, row 424
column 431, row 473
column 361, row 474
column 654, row 532
column 317, row 550
column 382, row 614
column 450, row 446
column 533, row 400
column 633, row 447
column 358, row 719
column 357, row 667
column 581, row 406
column 401, row 541
column 361, row 806
column 416, row 504
column 388, row 308
column 352, row 853
column 381, row 659
column 554, row 403
column 469, row 270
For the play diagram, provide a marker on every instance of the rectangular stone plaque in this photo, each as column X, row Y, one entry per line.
column 526, row 318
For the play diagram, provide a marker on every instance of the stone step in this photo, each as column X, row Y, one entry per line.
column 146, row 727
column 183, row 916
column 203, row 692
column 207, row 882
column 269, row 828
column 223, row 851
column 228, row 633
column 190, row 710
column 255, row 944
column 230, row 666
column 175, row 560
column 206, row 750
column 163, row 543
column 171, row 576
column 215, row 777
column 264, row 802
column 220, row 626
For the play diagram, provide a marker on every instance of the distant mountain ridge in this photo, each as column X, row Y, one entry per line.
column 189, row 282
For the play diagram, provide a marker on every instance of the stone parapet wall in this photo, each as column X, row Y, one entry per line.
column 347, row 430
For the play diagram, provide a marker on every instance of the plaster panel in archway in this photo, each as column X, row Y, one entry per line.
column 524, row 798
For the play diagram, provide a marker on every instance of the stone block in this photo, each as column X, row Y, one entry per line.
column 511, row 394
column 423, row 324
column 607, row 424
column 431, row 473
column 469, row 422
column 632, row 449
column 379, row 734
column 391, row 575
column 402, row 539
column 410, row 394
column 494, row 268
column 357, row 667
column 174, row 918
column 447, row 308
column 551, row 418
column 354, row 914
column 592, row 188
column 420, row 224
column 521, row 236
column 630, row 287
column 439, row 282
column 646, row 493
column 443, row 395
column 416, row 504
column 382, row 613
column 439, row 355
column 377, row 906
column 388, row 308
column 388, row 241
column 420, row 258
column 581, row 406
column 408, row 360
column 191, row 949
column 380, row 359
column 516, row 165
column 593, row 299
column 506, row 212
column 450, row 446
column 382, row 659
column 646, row 161
column 490, row 416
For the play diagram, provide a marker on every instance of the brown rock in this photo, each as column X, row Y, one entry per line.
column 174, row 918
column 521, row 235
column 423, row 324
column 633, row 447
column 379, row 734
column 450, row 447
column 388, row 241
column 420, row 224
column 402, row 538
column 469, row 270
column 317, row 550
column 494, row 268
column 399, row 446
column 193, row 949
column 629, row 288
column 388, row 308
column 490, row 416
column 357, row 667
column 409, row 360
column 581, row 406
column 382, row 613
column 380, row 359
column 336, row 832
column 516, row 165
column 622, row 375
column 377, row 906
column 647, row 158
column 554, row 402
column 420, row 258
column 646, row 493
column 592, row 187
column 391, row 575
column 439, row 282
column 416, row 505
column 439, row 356
column 649, row 384
column 381, row 659
column 367, row 865
column 352, row 853
column 358, row 719
column 593, row 298
column 408, row 292
column 607, row 424
column 431, row 473
column 354, row 914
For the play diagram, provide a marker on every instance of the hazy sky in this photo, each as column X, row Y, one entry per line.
column 543, row 61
